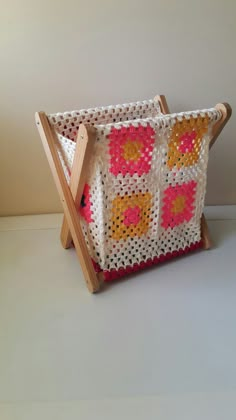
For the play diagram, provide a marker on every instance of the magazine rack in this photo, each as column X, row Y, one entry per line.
column 132, row 181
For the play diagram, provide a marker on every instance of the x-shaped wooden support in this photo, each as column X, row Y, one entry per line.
column 71, row 195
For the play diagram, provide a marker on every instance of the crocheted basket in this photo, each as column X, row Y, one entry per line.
column 142, row 198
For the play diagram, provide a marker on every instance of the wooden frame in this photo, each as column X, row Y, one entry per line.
column 226, row 112
column 71, row 195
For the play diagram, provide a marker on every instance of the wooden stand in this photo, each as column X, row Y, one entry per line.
column 71, row 195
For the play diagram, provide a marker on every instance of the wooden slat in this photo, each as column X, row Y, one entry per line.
column 83, row 152
column 69, row 207
column 163, row 103
column 226, row 112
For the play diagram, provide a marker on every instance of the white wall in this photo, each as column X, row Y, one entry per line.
column 64, row 55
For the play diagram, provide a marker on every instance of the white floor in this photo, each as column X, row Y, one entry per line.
column 160, row 345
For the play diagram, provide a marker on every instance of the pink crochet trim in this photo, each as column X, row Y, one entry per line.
column 115, row 274
column 131, row 149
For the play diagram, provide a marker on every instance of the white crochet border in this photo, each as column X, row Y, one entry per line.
column 66, row 124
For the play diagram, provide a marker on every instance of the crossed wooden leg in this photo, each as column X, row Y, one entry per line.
column 71, row 197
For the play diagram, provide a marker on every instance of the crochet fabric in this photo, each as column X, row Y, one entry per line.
column 66, row 124
column 145, row 190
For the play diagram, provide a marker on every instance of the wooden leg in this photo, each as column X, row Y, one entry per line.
column 80, row 164
column 65, row 236
column 68, row 203
column 226, row 112
column 205, row 236
column 78, row 174
column 83, row 152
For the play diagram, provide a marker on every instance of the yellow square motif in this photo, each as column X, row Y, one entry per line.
column 185, row 144
column 130, row 215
